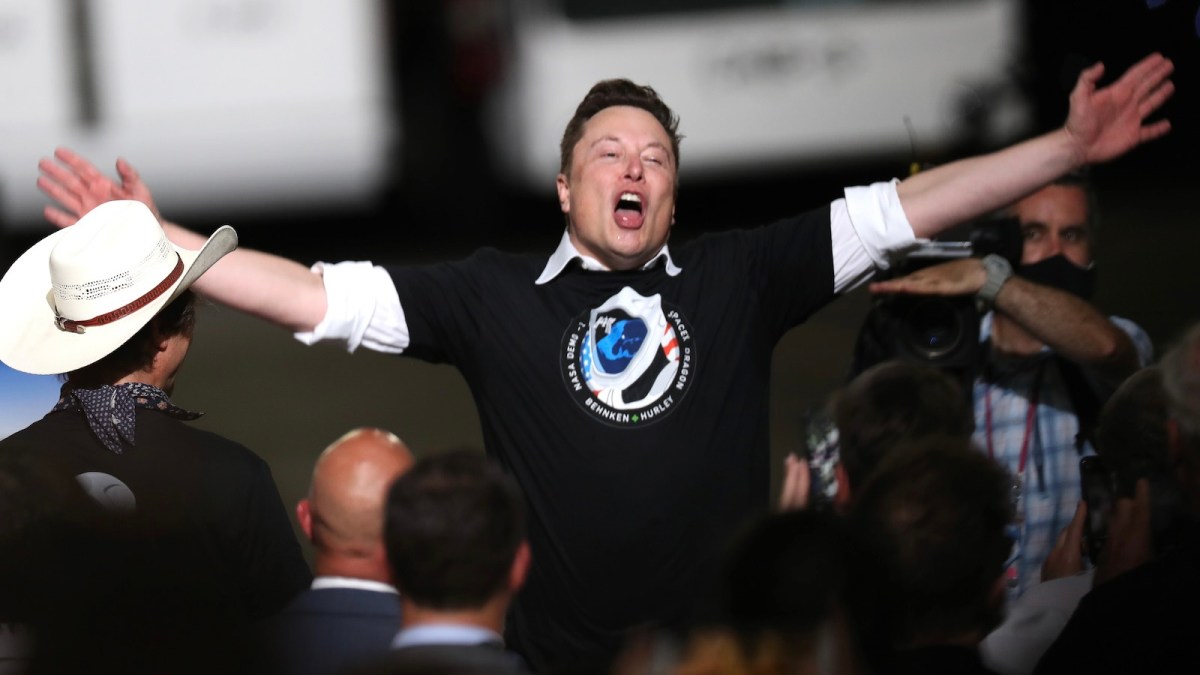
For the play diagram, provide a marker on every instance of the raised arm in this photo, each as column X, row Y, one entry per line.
column 1065, row 322
column 268, row 286
column 1102, row 124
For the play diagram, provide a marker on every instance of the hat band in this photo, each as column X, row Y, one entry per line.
column 72, row 326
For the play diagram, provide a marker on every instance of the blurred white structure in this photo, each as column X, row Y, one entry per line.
column 227, row 106
column 761, row 83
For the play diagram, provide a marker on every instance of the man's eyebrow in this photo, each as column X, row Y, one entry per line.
column 602, row 139
column 652, row 144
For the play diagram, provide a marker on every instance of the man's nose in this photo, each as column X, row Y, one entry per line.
column 633, row 168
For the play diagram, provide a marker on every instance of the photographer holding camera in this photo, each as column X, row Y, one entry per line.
column 1140, row 615
column 1048, row 359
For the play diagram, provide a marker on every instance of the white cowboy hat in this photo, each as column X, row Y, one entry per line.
column 80, row 293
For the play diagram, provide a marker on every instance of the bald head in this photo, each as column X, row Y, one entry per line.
column 344, row 508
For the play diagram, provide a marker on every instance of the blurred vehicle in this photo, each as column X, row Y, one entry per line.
column 765, row 83
column 228, row 106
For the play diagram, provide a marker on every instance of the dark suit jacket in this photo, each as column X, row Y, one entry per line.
column 483, row 659
column 207, row 550
column 1143, row 621
column 324, row 631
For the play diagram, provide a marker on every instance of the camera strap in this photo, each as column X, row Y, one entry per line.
column 1031, row 427
column 1084, row 400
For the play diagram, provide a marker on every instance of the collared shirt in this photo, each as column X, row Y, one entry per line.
column 868, row 228
column 445, row 634
column 566, row 253
column 1048, row 479
column 323, row 582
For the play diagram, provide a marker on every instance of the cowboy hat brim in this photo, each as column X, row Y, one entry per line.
column 32, row 342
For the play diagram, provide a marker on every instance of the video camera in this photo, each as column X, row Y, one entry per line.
column 941, row 331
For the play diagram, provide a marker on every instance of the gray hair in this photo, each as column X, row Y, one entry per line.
column 1181, row 379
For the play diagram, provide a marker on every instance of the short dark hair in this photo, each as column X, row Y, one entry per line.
column 1082, row 179
column 933, row 517
column 786, row 571
column 615, row 92
column 891, row 403
column 453, row 525
column 138, row 352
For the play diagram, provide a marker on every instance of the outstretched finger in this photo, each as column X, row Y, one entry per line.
column 127, row 173
column 1147, row 68
column 58, row 217
column 1088, row 78
column 796, row 484
column 1074, row 530
column 1156, row 130
column 55, row 172
column 1153, row 77
column 68, row 199
column 86, row 171
column 1155, row 99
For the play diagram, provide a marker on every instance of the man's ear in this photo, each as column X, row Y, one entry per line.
column 304, row 516
column 564, row 193
column 160, row 338
column 520, row 567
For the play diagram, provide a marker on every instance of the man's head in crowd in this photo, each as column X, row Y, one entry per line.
column 455, row 532
column 890, row 404
column 343, row 512
column 933, row 518
column 1181, row 379
column 619, row 173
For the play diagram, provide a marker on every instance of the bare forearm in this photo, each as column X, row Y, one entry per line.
column 267, row 286
column 960, row 191
column 1069, row 325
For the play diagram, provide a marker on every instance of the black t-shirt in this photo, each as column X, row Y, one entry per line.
column 632, row 409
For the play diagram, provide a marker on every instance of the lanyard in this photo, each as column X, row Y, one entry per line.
column 1031, row 427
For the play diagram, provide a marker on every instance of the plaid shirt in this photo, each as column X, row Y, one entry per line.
column 1049, row 484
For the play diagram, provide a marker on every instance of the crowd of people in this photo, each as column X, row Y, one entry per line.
column 617, row 519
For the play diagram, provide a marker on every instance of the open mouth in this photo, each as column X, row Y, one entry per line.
column 629, row 211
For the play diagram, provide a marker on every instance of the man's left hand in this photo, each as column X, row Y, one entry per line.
column 1109, row 121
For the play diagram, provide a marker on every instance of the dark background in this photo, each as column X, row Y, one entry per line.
column 287, row 401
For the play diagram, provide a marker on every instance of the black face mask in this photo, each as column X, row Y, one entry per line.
column 1060, row 273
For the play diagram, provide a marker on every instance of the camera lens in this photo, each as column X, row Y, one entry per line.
column 933, row 328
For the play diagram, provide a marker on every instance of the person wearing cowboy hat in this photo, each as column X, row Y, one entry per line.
column 197, row 521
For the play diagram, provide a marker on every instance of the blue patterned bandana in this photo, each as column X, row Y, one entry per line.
column 110, row 409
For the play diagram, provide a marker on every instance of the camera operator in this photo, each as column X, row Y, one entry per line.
column 1048, row 359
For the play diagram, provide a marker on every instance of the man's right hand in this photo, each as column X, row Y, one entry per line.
column 1130, row 541
column 957, row 277
column 1066, row 558
column 796, row 484
column 77, row 186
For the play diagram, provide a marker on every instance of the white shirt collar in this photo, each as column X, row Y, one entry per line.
column 319, row 583
column 566, row 252
column 443, row 634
